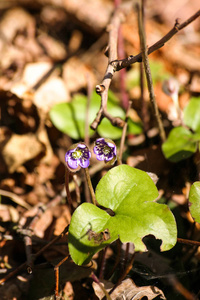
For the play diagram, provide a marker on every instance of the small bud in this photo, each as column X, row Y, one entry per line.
column 170, row 87
column 106, row 150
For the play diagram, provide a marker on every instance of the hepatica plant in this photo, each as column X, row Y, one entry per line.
column 183, row 141
column 130, row 213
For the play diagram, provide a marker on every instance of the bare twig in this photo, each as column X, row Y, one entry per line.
column 56, row 273
column 89, row 93
column 138, row 58
column 188, row 242
column 122, row 74
column 15, row 199
column 145, row 61
column 144, row 108
column 102, row 89
column 122, row 141
column 116, row 65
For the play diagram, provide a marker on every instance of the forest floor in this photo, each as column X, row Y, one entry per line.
column 50, row 52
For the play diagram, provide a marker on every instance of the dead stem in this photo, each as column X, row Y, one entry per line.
column 145, row 61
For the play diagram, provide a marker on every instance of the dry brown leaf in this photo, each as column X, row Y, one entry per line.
column 75, row 75
column 180, row 56
column 32, row 73
column 8, row 213
column 19, row 149
column 53, row 91
column 17, row 20
column 127, row 290
column 94, row 15
column 54, row 48
column 63, row 218
column 43, row 223
column 44, row 139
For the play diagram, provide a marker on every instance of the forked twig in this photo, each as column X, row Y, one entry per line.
column 123, row 63
column 102, row 89
column 116, row 65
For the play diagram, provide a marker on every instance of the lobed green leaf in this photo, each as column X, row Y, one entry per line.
column 69, row 117
column 180, row 144
column 130, row 194
column 192, row 113
column 194, row 201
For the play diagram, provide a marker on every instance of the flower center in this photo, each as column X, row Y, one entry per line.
column 106, row 150
column 77, row 154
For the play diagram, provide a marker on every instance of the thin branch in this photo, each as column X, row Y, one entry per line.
column 123, row 63
column 15, row 198
column 122, row 141
column 56, row 274
column 116, row 65
column 147, row 69
column 102, row 89
column 144, row 105
column 89, row 94
column 188, row 242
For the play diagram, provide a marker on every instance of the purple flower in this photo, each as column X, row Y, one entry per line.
column 105, row 150
column 78, row 156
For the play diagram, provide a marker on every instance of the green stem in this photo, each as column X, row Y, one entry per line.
column 94, row 201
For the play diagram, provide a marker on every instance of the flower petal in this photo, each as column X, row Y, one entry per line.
column 84, row 163
column 100, row 156
column 73, row 163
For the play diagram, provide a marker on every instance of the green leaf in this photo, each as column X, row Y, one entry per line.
column 181, row 144
column 134, row 127
column 194, row 201
column 192, row 113
column 158, row 71
column 70, row 117
column 106, row 129
column 130, row 194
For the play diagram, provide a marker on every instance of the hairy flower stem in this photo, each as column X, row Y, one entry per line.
column 67, row 189
column 119, row 161
column 94, row 201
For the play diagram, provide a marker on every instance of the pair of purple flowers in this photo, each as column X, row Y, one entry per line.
column 78, row 156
